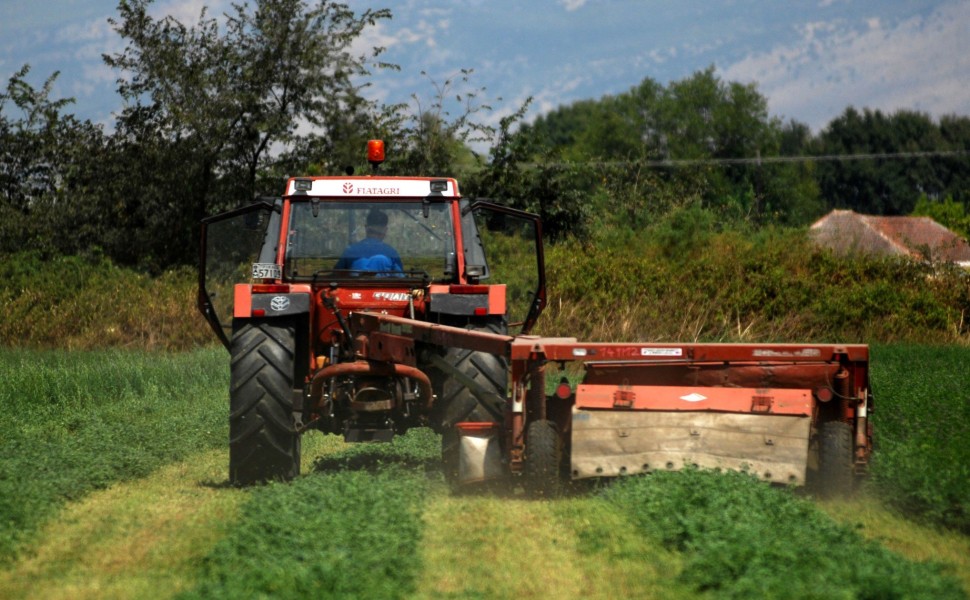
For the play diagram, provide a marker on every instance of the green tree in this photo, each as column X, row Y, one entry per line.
column 947, row 212
column 210, row 101
column 556, row 191
column 899, row 169
column 658, row 148
column 432, row 135
column 426, row 136
column 955, row 168
column 45, row 157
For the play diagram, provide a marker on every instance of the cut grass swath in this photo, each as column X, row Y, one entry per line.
column 743, row 539
column 136, row 539
column 349, row 530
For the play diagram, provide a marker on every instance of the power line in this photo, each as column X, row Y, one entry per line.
column 759, row 160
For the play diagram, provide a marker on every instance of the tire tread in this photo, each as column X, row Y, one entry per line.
column 263, row 444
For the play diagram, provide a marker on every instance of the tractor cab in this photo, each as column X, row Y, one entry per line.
column 409, row 247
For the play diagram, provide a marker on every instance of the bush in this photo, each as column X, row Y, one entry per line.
column 76, row 303
column 681, row 280
column 769, row 286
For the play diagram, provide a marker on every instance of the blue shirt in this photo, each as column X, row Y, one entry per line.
column 370, row 254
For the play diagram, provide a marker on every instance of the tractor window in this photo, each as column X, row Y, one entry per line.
column 343, row 239
column 474, row 248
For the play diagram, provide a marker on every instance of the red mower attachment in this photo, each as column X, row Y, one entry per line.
column 786, row 413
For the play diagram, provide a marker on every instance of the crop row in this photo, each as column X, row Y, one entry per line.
column 921, row 462
column 353, row 529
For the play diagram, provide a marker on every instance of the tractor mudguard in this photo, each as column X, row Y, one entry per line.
column 468, row 300
column 248, row 304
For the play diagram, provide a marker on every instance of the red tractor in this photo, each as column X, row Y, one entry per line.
column 365, row 306
column 335, row 246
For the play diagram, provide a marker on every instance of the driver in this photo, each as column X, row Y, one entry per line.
column 371, row 253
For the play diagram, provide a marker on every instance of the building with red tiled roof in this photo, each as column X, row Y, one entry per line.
column 922, row 238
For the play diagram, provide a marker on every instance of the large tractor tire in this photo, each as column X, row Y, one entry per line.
column 457, row 403
column 543, row 460
column 263, row 443
column 836, row 471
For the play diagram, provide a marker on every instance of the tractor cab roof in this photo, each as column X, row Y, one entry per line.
column 373, row 187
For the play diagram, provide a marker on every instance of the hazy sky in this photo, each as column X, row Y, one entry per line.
column 810, row 59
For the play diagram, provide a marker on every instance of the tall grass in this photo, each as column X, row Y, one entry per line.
column 73, row 422
column 74, row 303
column 921, row 462
column 666, row 283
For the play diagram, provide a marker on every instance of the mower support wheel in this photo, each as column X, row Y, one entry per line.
column 543, row 460
column 836, row 471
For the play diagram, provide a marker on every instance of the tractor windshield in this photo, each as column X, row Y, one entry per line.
column 370, row 240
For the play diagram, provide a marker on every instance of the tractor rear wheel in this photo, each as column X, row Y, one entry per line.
column 543, row 459
column 263, row 443
column 836, row 471
column 457, row 403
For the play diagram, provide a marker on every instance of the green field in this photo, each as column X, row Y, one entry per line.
column 75, row 422
column 113, row 484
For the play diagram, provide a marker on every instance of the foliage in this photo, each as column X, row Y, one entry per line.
column 349, row 531
column 209, row 107
column 29, row 143
column 76, row 303
column 683, row 280
column 432, row 137
column 684, row 231
column 708, row 139
column 216, row 112
column 947, row 212
column 428, row 136
column 74, row 422
column 744, row 539
column 221, row 110
column 922, row 420
column 553, row 191
column 215, row 100
column 891, row 186
column 45, row 155
column 686, row 141
column 687, row 278
column 700, row 116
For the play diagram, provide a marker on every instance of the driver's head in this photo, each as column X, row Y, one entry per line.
column 376, row 224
